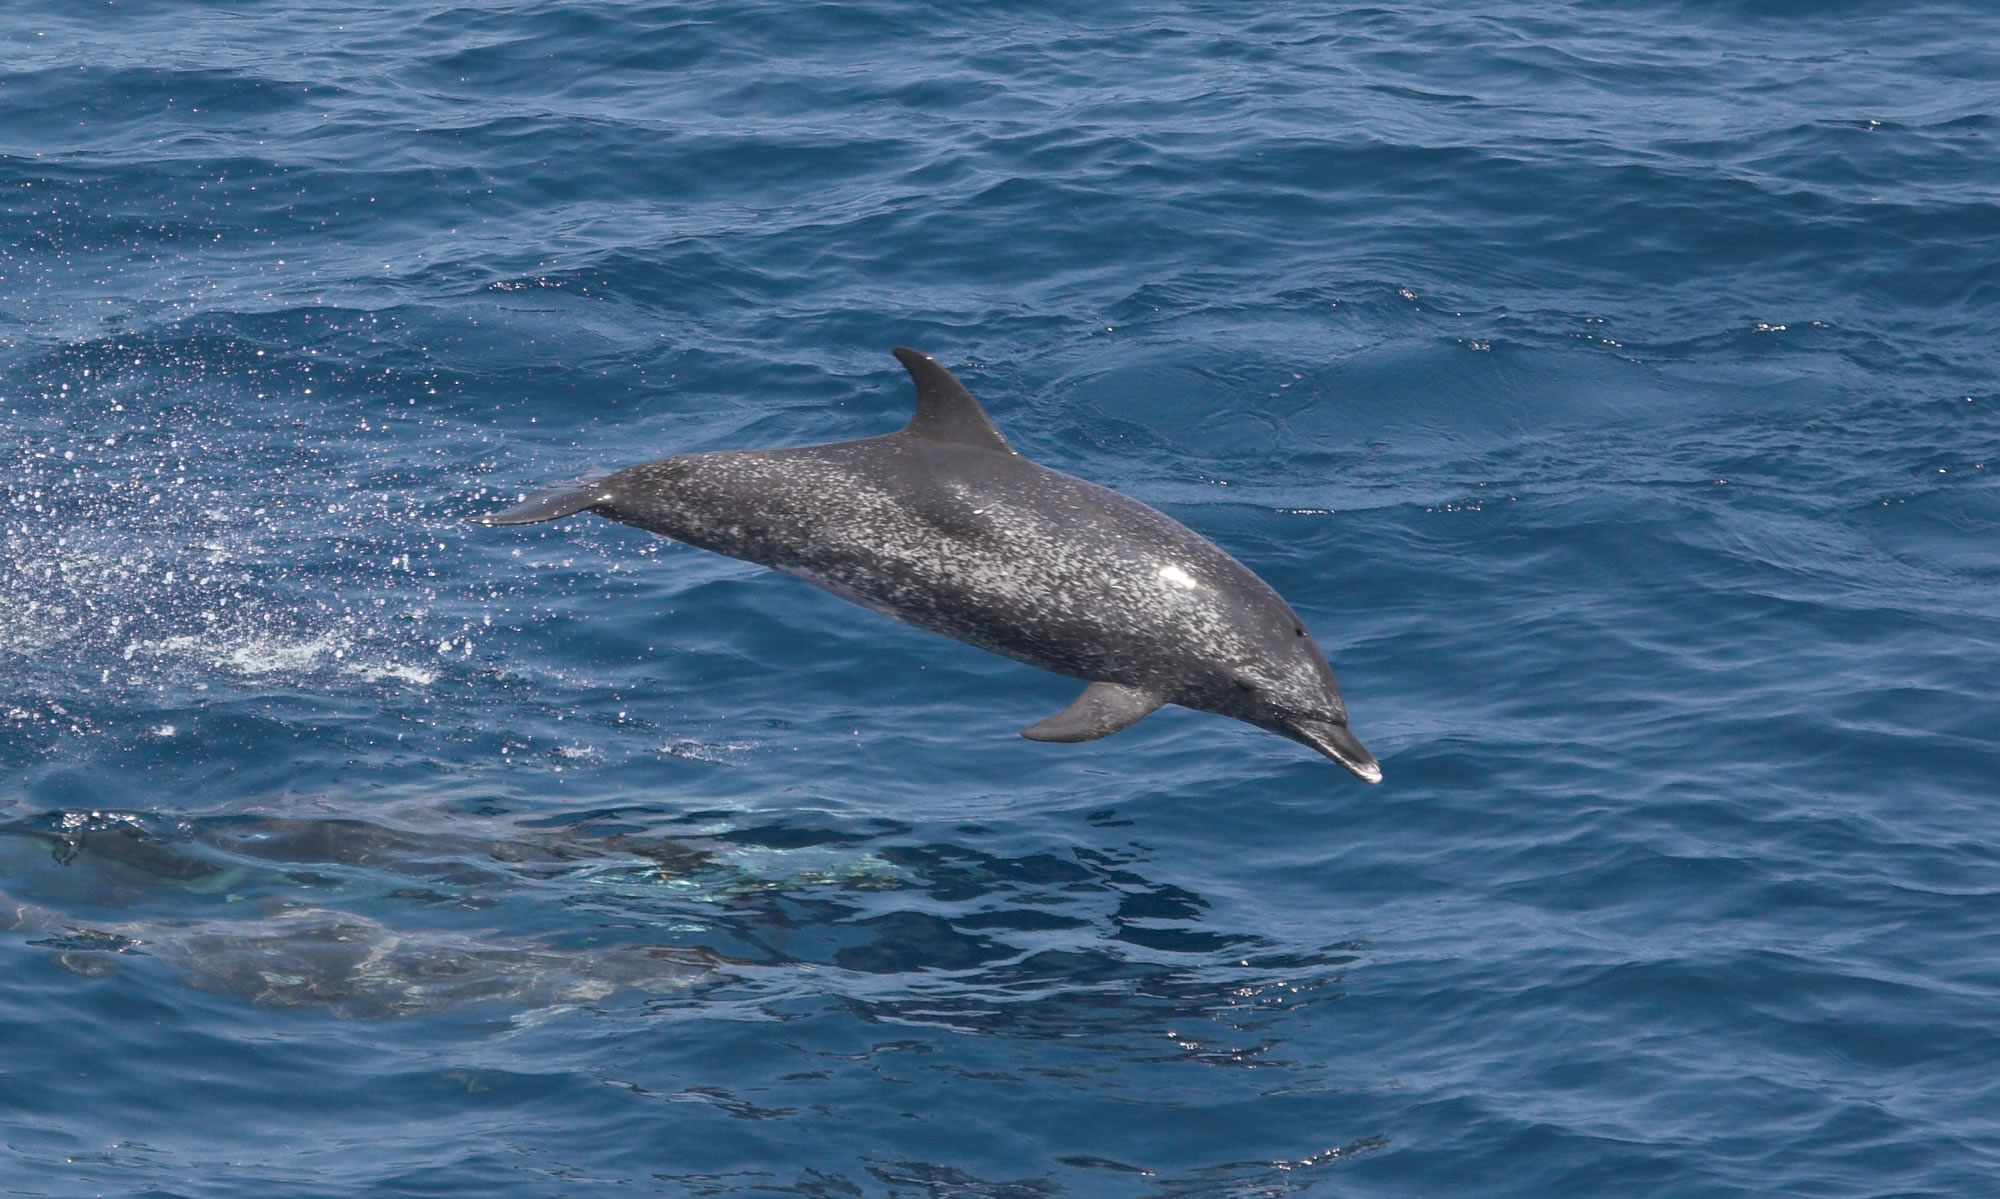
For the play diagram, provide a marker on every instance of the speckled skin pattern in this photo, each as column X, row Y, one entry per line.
column 943, row 525
column 986, row 547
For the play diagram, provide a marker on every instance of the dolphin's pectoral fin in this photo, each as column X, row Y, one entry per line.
column 550, row 503
column 1100, row 711
column 946, row 411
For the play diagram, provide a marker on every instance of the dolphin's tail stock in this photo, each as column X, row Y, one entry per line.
column 551, row 503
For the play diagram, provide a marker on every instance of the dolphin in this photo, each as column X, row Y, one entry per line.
column 242, row 905
column 944, row 526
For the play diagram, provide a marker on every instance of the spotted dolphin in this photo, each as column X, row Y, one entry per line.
column 943, row 525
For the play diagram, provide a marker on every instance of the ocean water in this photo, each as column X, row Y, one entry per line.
column 1611, row 388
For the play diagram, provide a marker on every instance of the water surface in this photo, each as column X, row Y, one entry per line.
column 1610, row 390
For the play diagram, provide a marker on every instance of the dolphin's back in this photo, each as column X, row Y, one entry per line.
column 982, row 546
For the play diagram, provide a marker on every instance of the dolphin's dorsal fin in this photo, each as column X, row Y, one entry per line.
column 1100, row 711
column 945, row 410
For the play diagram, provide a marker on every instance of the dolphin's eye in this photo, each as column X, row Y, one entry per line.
column 1300, row 632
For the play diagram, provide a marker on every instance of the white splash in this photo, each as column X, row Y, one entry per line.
column 375, row 673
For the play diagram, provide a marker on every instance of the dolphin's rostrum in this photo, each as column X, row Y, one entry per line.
column 943, row 525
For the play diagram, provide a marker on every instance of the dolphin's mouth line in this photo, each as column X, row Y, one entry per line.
column 1368, row 772
column 1337, row 743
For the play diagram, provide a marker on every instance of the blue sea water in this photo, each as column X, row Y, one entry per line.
column 1610, row 387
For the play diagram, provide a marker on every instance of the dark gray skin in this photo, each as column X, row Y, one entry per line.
column 944, row 526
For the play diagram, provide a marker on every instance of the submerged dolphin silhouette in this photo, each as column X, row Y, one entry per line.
column 269, row 909
column 945, row 526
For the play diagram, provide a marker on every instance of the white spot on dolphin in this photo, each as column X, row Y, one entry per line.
column 1178, row 577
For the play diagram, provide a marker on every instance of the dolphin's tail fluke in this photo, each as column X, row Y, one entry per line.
column 550, row 503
